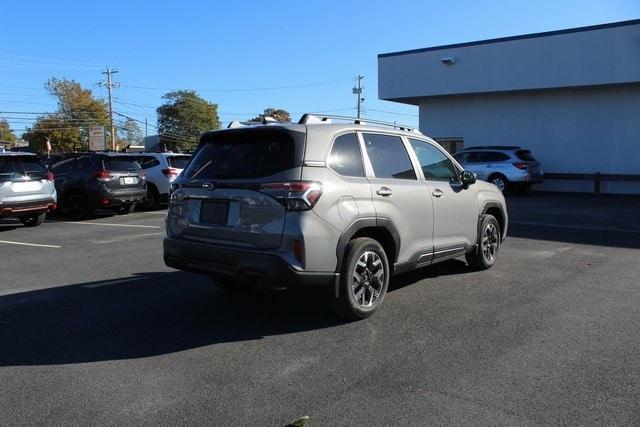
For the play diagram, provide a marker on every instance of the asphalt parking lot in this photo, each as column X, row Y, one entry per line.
column 94, row 329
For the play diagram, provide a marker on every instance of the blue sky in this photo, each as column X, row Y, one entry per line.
column 228, row 50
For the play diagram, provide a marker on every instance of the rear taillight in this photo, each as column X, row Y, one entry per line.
column 142, row 174
column 520, row 165
column 294, row 195
column 170, row 172
column 105, row 176
column 50, row 177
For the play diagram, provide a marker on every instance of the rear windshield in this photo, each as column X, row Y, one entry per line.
column 178, row 162
column 248, row 153
column 120, row 164
column 525, row 155
column 16, row 167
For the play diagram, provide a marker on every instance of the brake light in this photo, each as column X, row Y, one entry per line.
column 520, row 165
column 50, row 177
column 170, row 172
column 105, row 176
column 294, row 195
column 142, row 174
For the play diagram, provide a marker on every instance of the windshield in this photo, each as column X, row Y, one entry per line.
column 16, row 167
column 120, row 164
column 251, row 153
column 178, row 162
column 525, row 155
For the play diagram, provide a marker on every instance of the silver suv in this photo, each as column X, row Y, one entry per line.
column 26, row 188
column 507, row 167
column 320, row 203
column 161, row 170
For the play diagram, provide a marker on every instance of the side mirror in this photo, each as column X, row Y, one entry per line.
column 467, row 178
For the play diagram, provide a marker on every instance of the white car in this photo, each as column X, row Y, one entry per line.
column 161, row 169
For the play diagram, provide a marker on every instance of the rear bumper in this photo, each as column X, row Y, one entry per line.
column 28, row 207
column 240, row 264
column 117, row 198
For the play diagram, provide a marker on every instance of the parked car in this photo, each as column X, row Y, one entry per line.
column 504, row 166
column 161, row 169
column 88, row 181
column 338, row 205
column 27, row 191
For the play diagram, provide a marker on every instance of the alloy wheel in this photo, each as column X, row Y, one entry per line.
column 489, row 243
column 368, row 279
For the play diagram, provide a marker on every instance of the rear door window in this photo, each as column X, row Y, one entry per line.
column 493, row 156
column 246, row 153
column 178, row 162
column 345, row 157
column 388, row 156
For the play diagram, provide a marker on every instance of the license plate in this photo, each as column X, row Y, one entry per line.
column 214, row 212
column 128, row 180
column 20, row 187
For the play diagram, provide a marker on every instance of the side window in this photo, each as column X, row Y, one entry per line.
column 435, row 165
column 64, row 166
column 345, row 157
column 495, row 156
column 462, row 157
column 475, row 157
column 388, row 156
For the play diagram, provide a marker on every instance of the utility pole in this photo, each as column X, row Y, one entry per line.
column 357, row 91
column 110, row 85
column 145, row 127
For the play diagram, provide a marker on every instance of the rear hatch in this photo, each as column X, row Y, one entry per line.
column 120, row 173
column 533, row 166
column 22, row 176
column 225, row 194
column 176, row 163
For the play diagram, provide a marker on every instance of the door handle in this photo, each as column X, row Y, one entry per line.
column 384, row 191
column 437, row 193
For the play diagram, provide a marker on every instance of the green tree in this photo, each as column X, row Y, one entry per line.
column 184, row 117
column 130, row 133
column 277, row 113
column 6, row 134
column 68, row 127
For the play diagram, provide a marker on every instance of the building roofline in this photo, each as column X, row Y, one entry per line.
column 512, row 38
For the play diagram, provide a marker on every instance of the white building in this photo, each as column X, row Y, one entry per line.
column 571, row 96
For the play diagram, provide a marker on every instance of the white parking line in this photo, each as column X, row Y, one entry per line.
column 574, row 227
column 113, row 282
column 29, row 244
column 107, row 224
column 128, row 238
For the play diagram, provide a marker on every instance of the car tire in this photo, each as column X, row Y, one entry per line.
column 499, row 181
column 151, row 200
column 126, row 209
column 77, row 206
column 33, row 220
column 359, row 298
column 487, row 245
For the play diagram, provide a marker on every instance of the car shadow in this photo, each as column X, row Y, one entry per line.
column 158, row 313
column 153, row 314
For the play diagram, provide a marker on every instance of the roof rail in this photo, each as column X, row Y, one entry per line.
column 328, row 118
column 493, row 147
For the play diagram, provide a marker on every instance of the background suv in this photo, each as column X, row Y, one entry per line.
column 336, row 205
column 161, row 169
column 26, row 188
column 87, row 181
column 504, row 166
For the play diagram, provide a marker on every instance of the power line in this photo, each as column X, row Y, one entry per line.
column 59, row 61
column 255, row 89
